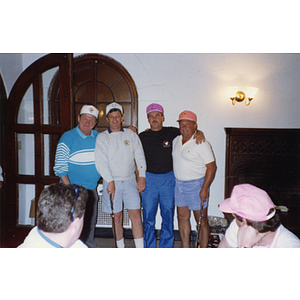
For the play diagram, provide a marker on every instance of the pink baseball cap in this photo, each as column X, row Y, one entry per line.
column 187, row 115
column 154, row 107
column 249, row 202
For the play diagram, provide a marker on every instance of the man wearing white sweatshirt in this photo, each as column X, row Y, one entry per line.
column 118, row 152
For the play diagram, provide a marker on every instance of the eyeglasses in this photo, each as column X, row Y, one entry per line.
column 76, row 196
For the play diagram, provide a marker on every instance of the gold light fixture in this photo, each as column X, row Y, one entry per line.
column 239, row 96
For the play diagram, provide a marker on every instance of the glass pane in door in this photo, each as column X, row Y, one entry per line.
column 25, row 153
column 127, row 114
column 25, row 115
column 104, row 94
column 50, row 143
column 121, row 91
column 26, row 199
column 50, row 105
column 46, row 155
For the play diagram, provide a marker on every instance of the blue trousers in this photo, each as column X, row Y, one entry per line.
column 159, row 190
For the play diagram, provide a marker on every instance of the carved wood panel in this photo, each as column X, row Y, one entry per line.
column 268, row 159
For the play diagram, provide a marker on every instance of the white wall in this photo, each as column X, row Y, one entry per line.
column 198, row 82
column 10, row 69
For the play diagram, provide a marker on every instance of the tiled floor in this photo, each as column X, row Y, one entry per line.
column 104, row 238
column 129, row 243
column 109, row 242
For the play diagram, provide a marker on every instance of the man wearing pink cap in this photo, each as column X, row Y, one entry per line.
column 160, row 181
column 194, row 169
column 256, row 222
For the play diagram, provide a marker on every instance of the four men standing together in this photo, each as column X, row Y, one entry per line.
column 131, row 165
column 167, row 166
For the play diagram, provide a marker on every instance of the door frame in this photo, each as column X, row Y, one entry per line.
column 13, row 233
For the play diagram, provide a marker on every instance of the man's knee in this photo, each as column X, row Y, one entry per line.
column 118, row 218
column 204, row 221
column 183, row 213
column 135, row 215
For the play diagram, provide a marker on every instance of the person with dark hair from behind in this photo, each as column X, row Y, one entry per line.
column 60, row 214
column 256, row 223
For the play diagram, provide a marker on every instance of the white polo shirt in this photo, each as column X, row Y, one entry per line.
column 190, row 159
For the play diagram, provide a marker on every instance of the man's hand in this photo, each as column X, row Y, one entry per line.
column 203, row 195
column 208, row 179
column 199, row 136
column 141, row 184
column 111, row 189
column 133, row 128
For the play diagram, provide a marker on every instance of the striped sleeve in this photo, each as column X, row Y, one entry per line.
column 62, row 157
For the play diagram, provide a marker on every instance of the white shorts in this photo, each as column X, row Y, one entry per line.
column 126, row 193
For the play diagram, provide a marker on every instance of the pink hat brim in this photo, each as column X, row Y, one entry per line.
column 225, row 207
column 186, row 119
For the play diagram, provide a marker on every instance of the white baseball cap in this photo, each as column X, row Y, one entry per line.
column 114, row 105
column 90, row 109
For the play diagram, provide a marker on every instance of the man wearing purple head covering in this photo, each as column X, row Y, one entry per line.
column 160, row 180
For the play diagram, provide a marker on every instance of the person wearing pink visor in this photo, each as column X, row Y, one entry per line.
column 256, row 222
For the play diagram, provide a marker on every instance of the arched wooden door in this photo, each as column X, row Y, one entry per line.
column 32, row 129
column 43, row 104
column 99, row 80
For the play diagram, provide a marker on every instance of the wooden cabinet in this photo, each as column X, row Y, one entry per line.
column 270, row 160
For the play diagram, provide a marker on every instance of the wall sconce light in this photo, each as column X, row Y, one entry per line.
column 239, row 96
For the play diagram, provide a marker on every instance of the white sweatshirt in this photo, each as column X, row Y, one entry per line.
column 116, row 154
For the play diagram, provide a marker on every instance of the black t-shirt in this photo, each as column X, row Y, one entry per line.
column 158, row 149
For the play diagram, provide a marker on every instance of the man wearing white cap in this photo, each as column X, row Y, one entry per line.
column 256, row 222
column 118, row 152
column 75, row 164
column 194, row 169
